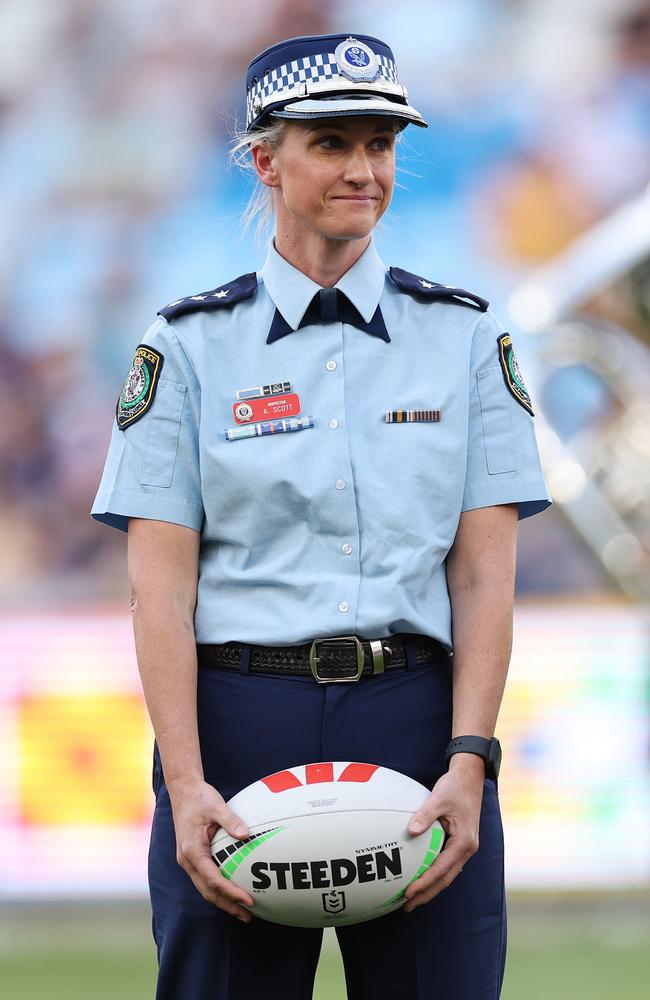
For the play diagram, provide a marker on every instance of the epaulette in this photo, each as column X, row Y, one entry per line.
column 226, row 295
column 431, row 291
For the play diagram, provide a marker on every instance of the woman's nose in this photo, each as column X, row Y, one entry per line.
column 358, row 168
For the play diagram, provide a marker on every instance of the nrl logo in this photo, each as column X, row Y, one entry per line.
column 334, row 901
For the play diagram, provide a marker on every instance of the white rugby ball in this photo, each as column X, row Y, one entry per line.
column 329, row 843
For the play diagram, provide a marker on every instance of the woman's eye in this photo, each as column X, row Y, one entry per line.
column 330, row 142
column 381, row 143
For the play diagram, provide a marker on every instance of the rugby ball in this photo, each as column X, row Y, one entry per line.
column 328, row 843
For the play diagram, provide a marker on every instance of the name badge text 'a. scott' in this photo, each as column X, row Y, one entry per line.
column 266, row 408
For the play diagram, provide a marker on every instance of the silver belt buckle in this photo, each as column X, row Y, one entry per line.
column 313, row 659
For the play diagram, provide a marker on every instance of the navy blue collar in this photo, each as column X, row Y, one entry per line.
column 354, row 300
column 330, row 305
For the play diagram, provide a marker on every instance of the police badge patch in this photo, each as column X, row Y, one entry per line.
column 140, row 386
column 511, row 373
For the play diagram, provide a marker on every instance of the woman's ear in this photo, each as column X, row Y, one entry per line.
column 264, row 161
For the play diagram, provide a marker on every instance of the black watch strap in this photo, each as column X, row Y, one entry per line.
column 489, row 750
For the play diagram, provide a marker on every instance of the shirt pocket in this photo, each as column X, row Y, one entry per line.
column 162, row 438
column 498, row 435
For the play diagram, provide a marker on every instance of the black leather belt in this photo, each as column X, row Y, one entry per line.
column 340, row 658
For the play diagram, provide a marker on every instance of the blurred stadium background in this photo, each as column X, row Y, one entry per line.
column 531, row 188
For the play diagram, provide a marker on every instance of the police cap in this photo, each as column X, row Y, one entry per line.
column 326, row 76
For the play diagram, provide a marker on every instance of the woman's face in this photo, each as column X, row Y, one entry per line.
column 333, row 177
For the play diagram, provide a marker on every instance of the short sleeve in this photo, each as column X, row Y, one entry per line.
column 503, row 463
column 152, row 467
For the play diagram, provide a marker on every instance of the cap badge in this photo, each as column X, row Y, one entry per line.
column 356, row 61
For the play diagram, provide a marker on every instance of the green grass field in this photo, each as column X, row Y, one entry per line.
column 570, row 947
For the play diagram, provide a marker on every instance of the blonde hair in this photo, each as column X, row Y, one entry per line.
column 260, row 202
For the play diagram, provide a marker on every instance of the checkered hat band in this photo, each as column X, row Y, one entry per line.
column 309, row 69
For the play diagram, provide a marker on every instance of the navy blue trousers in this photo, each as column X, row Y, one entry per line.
column 249, row 726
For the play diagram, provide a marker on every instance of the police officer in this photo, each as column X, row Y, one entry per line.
column 321, row 466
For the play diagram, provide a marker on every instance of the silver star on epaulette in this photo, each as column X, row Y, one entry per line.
column 198, row 298
column 425, row 284
column 222, row 294
column 176, row 303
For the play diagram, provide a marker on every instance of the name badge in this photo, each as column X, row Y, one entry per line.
column 266, row 408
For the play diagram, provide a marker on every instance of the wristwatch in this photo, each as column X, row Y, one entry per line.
column 489, row 750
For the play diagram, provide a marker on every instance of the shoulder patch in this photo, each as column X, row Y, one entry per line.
column 226, row 295
column 139, row 387
column 432, row 291
column 511, row 372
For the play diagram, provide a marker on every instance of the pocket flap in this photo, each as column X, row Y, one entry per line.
column 162, row 438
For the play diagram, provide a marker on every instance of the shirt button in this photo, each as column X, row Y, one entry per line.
column 340, row 484
column 344, row 606
column 333, row 424
column 346, row 549
column 331, row 366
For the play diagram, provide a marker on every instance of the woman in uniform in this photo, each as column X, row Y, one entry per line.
column 321, row 466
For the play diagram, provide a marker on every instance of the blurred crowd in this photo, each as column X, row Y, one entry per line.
column 117, row 198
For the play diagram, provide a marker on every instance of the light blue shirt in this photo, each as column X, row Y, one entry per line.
column 344, row 527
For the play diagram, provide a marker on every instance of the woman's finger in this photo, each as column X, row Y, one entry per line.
column 219, row 891
column 231, row 823
column 444, row 870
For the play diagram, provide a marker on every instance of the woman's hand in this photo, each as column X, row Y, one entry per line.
column 455, row 801
column 199, row 811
